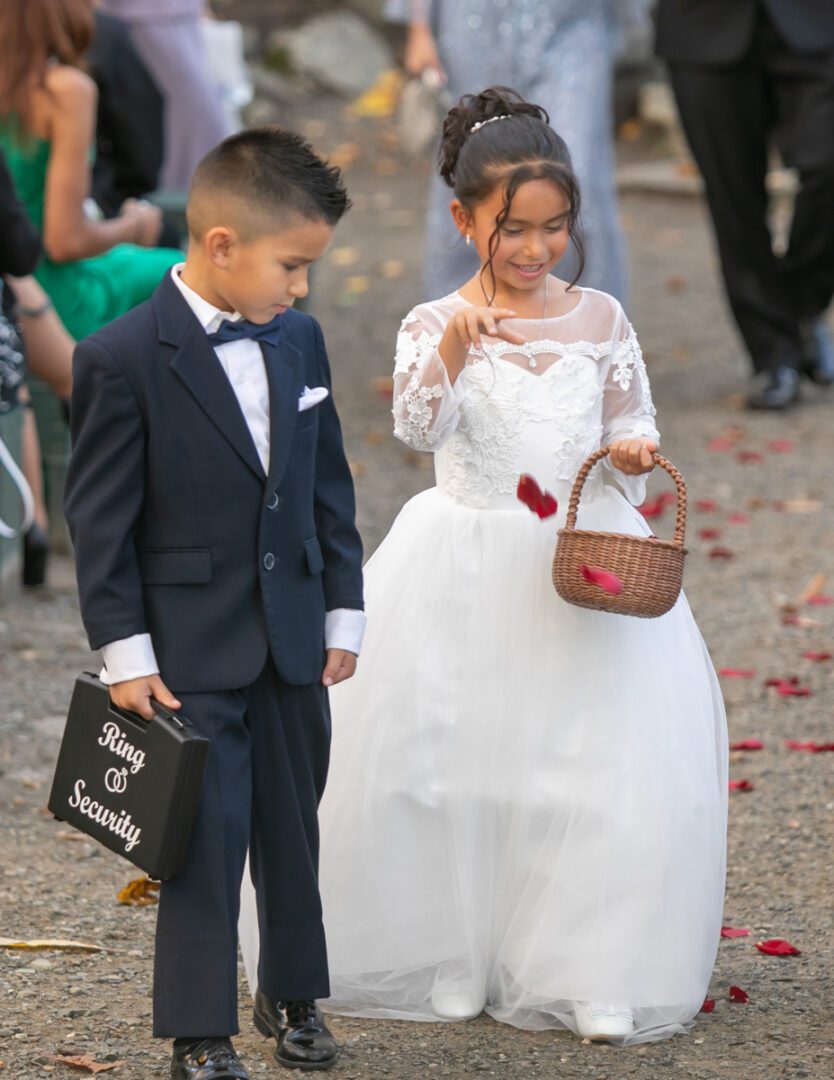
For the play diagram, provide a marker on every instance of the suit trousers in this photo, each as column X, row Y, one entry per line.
column 732, row 114
column 265, row 776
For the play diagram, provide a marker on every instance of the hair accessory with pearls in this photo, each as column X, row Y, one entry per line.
column 483, row 123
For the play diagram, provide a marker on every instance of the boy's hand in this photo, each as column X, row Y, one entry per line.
column 632, row 456
column 135, row 695
column 340, row 665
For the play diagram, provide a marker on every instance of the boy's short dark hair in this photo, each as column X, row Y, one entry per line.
column 272, row 172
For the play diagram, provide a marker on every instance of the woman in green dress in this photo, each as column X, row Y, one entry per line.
column 93, row 270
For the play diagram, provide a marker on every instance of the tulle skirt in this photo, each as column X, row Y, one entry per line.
column 525, row 798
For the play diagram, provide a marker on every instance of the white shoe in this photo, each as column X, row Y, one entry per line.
column 458, row 1003
column 596, row 1020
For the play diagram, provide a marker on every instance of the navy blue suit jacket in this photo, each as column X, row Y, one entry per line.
column 177, row 531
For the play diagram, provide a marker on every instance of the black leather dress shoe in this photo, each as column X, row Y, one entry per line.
column 777, row 389
column 298, row 1027
column 818, row 353
column 207, row 1059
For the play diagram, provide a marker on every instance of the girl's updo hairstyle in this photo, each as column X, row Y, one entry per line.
column 513, row 144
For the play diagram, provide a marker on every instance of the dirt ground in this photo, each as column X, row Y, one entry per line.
column 773, row 471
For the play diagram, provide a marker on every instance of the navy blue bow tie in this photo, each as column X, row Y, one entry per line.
column 241, row 329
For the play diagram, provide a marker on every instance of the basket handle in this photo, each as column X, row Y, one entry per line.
column 582, row 476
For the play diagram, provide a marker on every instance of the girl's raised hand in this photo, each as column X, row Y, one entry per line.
column 632, row 456
column 470, row 323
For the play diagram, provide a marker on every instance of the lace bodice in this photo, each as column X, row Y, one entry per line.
column 579, row 382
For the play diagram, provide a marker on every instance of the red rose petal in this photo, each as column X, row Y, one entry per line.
column 538, row 501
column 737, row 673
column 781, row 446
column 721, row 553
column 607, row 581
column 708, row 534
column 777, row 947
column 721, row 445
column 749, row 457
column 652, row 509
column 709, row 1005
column 820, row 600
column 748, row 744
column 706, row 506
column 738, row 519
column 734, row 932
column 811, row 746
column 817, row 656
column 739, row 996
column 741, row 785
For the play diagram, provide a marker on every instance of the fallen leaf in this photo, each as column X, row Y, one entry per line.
column 748, row 744
column 721, row 553
column 709, row 534
column 781, row 446
column 777, row 947
column 706, row 506
column 139, row 892
column 810, row 746
column 380, row 100
column 741, row 785
column 84, row 1061
column 739, row 996
column 382, row 387
column 357, row 284
column 344, row 155
column 344, row 256
column 737, row 673
column 357, row 469
column 376, row 438
column 50, row 943
column 734, row 932
column 607, row 581
column 801, row 506
column 817, row 657
column 709, row 1005
column 538, row 501
column 393, row 268
column 675, row 284
column 630, row 130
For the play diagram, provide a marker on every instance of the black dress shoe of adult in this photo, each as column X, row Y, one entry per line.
column 777, row 389
column 206, row 1059
column 298, row 1027
column 818, row 353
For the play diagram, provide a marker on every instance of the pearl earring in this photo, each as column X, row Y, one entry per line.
column 468, row 239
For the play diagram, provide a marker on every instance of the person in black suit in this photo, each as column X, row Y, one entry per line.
column 212, row 511
column 748, row 74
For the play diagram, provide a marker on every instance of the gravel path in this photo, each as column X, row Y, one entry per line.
column 54, row 884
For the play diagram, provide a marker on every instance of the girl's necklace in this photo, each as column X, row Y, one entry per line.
column 527, row 347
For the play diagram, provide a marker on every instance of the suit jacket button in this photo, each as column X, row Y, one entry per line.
column 269, row 561
column 274, row 501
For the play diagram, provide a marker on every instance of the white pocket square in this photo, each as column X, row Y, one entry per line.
column 309, row 397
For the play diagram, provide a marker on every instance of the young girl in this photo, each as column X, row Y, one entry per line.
column 527, row 800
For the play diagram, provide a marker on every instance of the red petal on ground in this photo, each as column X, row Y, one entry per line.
column 538, row 501
column 790, row 690
column 652, row 509
column 706, row 506
column 749, row 457
column 737, row 673
column 817, row 656
column 738, row 995
column 721, row 553
column 778, row 505
column 607, row 581
column 709, row 1005
column 741, row 785
column 790, row 618
column 811, row 746
column 738, row 519
column 781, row 446
column 734, row 931
column 708, row 534
column 820, row 600
column 777, row 947
column 721, row 445
column 748, row 744
column 668, row 498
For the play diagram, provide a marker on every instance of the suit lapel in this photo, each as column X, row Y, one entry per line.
column 195, row 363
column 285, row 374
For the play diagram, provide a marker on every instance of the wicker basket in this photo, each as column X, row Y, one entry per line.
column 651, row 570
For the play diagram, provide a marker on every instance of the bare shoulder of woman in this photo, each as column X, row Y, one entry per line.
column 69, row 88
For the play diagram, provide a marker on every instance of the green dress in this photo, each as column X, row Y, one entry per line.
column 91, row 292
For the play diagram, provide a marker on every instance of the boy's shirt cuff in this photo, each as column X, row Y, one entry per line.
column 344, row 628
column 129, row 658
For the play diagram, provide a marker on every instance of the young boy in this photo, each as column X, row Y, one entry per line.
column 219, row 569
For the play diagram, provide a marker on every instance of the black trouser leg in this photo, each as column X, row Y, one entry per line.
column 290, row 728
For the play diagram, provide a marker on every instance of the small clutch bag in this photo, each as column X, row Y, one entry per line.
column 640, row 575
column 132, row 784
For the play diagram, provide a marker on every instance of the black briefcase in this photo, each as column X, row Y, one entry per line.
column 132, row 784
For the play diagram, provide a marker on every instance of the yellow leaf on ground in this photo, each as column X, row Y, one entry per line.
column 84, row 1061
column 393, row 268
column 382, row 98
column 344, row 256
column 359, row 283
column 141, row 892
column 344, row 155
column 50, row 943
column 357, row 469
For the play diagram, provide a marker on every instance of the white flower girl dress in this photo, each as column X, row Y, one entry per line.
column 526, row 806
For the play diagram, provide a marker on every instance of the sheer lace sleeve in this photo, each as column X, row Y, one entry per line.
column 426, row 405
column 628, row 411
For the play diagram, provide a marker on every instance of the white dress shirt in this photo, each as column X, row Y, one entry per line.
column 243, row 362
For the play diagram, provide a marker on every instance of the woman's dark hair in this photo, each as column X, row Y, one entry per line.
column 510, row 151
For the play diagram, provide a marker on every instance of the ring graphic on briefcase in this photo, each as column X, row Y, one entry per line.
column 132, row 784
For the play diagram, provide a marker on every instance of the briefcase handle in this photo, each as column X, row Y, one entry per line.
column 139, row 721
